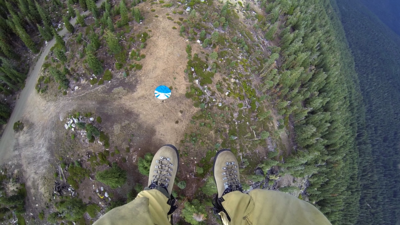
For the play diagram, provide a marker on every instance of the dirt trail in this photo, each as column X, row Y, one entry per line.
column 125, row 105
column 7, row 140
column 30, row 147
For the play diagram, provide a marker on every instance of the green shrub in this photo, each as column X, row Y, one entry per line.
column 107, row 75
column 18, row 126
column 76, row 174
column 144, row 164
column 81, row 125
column 138, row 66
column 194, row 212
column 98, row 119
column 181, row 184
column 113, row 177
column 118, row 66
column 41, row 215
column 93, row 81
column 289, row 189
column 105, row 139
column 53, row 217
column 72, row 209
column 91, row 131
column 101, row 81
column 199, row 170
column 92, row 210
column 73, row 183
column 102, row 158
column 209, row 188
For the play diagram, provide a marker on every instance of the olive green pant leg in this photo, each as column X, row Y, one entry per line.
column 148, row 208
column 239, row 206
column 269, row 207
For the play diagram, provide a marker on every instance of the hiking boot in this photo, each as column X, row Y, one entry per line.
column 226, row 172
column 163, row 169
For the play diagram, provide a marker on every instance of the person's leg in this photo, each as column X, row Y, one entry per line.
column 155, row 204
column 260, row 206
column 226, row 176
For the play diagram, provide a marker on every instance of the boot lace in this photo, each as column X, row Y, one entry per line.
column 230, row 177
column 162, row 172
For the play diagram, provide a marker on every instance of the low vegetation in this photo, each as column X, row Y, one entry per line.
column 114, row 177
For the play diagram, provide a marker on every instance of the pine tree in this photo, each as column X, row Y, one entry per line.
column 80, row 20
column 60, row 55
column 43, row 15
column 214, row 37
column 5, row 47
column 11, row 25
column 59, row 40
column 3, row 24
column 92, row 7
column 33, row 11
column 24, row 7
column 43, row 32
column 5, row 113
column 94, row 63
column 108, row 7
column 136, row 14
column 271, row 32
column 68, row 25
column 71, row 11
column 95, row 41
column 113, row 42
column 83, row 5
column 124, row 13
column 113, row 177
column 8, row 81
column 59, row 77
column 26, row 39
column 110, row 24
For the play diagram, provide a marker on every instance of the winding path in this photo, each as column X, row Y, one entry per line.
column 7, row 140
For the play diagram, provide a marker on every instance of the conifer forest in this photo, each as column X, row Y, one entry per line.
column 305, row 93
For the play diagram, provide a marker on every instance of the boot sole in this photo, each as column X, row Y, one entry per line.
column 177, row 153
column 215, row 159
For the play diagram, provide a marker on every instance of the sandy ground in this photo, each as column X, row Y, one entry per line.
column 124, row 105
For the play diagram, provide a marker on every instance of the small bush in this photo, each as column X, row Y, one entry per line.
column 138, row 66
column 181, row 184
column 102, row 158
column 144, row 164
column 91, row 131
column 118, row 66
column 18, row 126
column 93, row 81
column 47, row 80
column 104, row 139
column 107, row 75
column 92, row 210
column 81, row 125
column 98, row 119
column 199, row 170
column 113, row 177
column 72, row 209
column 41, row 215
column 101, row 82
column 194, row 212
